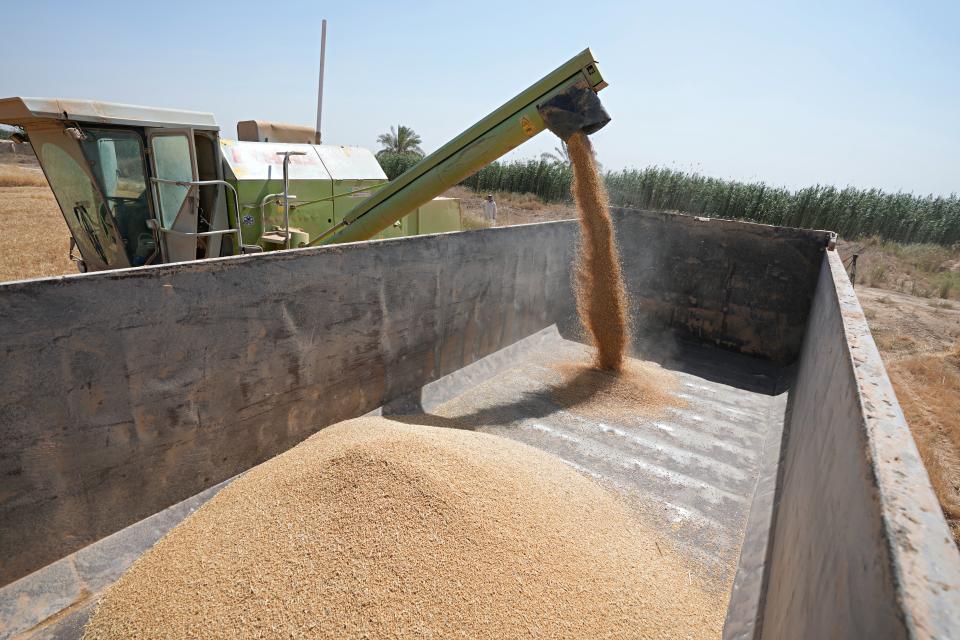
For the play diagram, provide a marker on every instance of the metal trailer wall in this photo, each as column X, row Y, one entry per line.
column 125, row 392
column 741, row 286
column 858, row 545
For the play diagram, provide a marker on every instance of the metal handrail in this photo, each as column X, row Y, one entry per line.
column 204, row 183
column 286, row 191
column 198, row 234
column 263, row 214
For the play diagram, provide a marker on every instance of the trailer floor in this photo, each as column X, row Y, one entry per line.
column 691, row 469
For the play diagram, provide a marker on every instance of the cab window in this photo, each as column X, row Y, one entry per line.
column 117, row 160
column 172, row 157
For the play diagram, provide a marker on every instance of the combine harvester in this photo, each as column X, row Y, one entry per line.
column 130, row 397
column 140, row 186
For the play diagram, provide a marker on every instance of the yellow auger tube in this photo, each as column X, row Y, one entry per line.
column 512, row 124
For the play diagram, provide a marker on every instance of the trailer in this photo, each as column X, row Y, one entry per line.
column 130, row 396
column 791, row 458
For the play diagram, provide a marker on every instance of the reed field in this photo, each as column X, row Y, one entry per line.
column 550, row 181
column 393, row 164
column 851, row 212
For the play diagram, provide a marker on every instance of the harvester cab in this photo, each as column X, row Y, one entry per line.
column 136, row 185
column 140, row 185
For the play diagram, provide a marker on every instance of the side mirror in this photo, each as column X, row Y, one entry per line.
column 76, row 133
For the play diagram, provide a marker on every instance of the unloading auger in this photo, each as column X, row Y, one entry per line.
column 564, row 101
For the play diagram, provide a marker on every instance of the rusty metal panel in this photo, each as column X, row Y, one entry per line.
column 266, row 131
column 259, row 161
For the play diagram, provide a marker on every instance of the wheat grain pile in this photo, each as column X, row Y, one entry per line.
column 601, row 297
column 373, row 528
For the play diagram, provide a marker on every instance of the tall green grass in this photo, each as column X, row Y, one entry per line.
column 849, row 211
column 393, row 164
column 548, row 180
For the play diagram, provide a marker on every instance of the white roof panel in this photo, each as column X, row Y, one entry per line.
column 21, row 111
column 350, row 163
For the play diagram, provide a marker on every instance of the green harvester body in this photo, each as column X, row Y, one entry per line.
column 139, row 185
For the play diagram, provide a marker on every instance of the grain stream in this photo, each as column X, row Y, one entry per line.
column 601, row 297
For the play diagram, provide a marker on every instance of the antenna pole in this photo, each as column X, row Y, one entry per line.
column 323, row 59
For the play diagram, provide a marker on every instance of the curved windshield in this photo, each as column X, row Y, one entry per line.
column 116, row 157
column 82, row 206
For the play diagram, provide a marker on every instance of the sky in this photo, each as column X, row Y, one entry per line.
column 791, row 93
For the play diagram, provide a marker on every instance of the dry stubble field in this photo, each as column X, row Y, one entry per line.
column 34, row 240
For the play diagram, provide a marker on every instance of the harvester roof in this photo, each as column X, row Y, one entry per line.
column 24, row 111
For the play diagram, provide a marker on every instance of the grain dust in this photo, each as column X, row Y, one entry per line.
column 638, row 388
column 601, row 297
column 373, row 528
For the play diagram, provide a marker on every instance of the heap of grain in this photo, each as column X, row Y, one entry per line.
column 601, row 298
column 374, row 528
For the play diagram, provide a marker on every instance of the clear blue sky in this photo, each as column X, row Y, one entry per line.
column 861, row 93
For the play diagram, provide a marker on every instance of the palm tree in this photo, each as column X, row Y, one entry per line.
column 560, row 155
column 403, row 139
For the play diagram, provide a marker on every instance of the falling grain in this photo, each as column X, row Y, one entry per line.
column 601, row 297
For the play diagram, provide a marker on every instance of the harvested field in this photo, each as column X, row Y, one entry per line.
column 373, row 528
column 512, row 208
column 601, row 296
column 920, row 345
column 18, row 175
column 34, row 240
column 924, row 270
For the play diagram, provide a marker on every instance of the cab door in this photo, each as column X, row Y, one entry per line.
column 173, row 158
column 84, row 207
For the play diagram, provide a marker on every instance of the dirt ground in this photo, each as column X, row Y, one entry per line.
column 924, row 270
column 34, row 240
column 512, row 208
column 918, row 337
